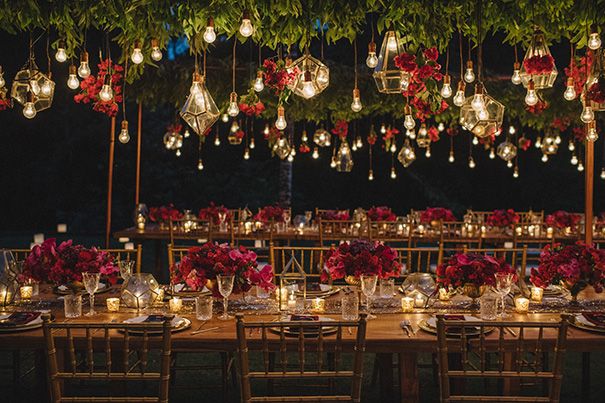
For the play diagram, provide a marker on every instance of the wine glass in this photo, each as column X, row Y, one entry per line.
column 125, row 268
column 368, row 288
column 222, row 217
column 225, row 287
column 504, row 282
column 287, row 217
column 91, row 283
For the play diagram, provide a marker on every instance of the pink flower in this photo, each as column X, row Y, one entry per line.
column 431, row 53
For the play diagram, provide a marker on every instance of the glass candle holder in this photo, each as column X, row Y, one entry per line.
column 537, row 294
column 318, row 304
column 444, row 294
column 420, row 301
column 522, row 305
column 26, row 292
column 113, row 304
column 175, row 304
column 407, row 304
column 203, row 308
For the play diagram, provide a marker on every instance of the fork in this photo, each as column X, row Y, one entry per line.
column 199, row 327
column 409, row 325
column 404, row 325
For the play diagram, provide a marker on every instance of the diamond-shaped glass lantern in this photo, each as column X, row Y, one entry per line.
column 406, row 155
column 595, row 81
column 389, row 78
column 506, row 150
column 30, row 79
column 344, row 158
column 322, row 137
column 481, row 114
column 423, row 138
column 549, row 144
column 282, row 148
column 538, row 49
column 140, row 291
column 200, row 111
column 313, row 78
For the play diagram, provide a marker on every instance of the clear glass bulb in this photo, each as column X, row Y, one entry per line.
column 281, row 123
column 225, row 118
column 200, row 165
column 393, row 147
column 511, row 129
column 217, row 141
column 359, row 142
column 544, row 157
column 137, row 56
column 186, row 133
column 308, row 90
column 34, row 86
column 246, row 154
column 46, row 88
column 558, row 139
column 2, row 80
column 471, row 163
column 209, row 34
column 516, row 77
column 333, row 163
column 371, row 175
column 571, row 146
column 124, row 137
column 592, row 134
column 259, row 85
column 233, row 109
column 195, row 88
column 392, row 43
column 603, row 173
column 446, row 91
column 459, row 98
column 594, row 41
column 84, row 70
column 538, row 143
column 574, row 160
column 252, row 145
column 393, row 173
column 451, row 158
column 246, row 28
column 404, row 82
column 492, row 154
column 315, row 154
column 372, row 60
column 290, row 157
column 411, row 134
column 178, row 153
column 475, row 141
column 570, row 93
column 354, row 147
column 482, row 114
column 408, row 122
column 531, row 98
column 61, row 55
column 383, row 129
column 106, row 93
column 580, row 166
column 516, row 173
column 73, row 82
column 427, row 153
column 356, row 104
column 29, row 111
column 469, row 75
column 478, row 103
column 156, row 54
column 441, row 126
column 587, row 115
column 509, row 164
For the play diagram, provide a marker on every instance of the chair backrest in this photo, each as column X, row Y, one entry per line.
column 518, row 348
column 96, row 343
column 176, row 253
column 341, row 230
column 388, row 231
column 457, row 235
column 19, row 254
column 310, row 259
column 420, row 259
column 516, row 257
column 531, row 217
column 307, row 354
column 190, row 229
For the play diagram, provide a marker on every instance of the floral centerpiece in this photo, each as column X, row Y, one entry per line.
column 502, row 218
column 563, row 219
column 269, row 214
column 213, row 213
column 573, row 266
column 381, row 213
column 334, row 215
column 163, row 214
column 64, row 264
column 200, row 266
column 352, row 259
column 433, row 214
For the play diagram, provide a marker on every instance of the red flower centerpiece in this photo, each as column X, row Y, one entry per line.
column 562, row 219
column 573, row 266
column 502, row 218
column 381, row 213
column 335, row 215
column 64, row 264
column 269, row 214
column 213, row 213
column 163, row 214
column 434, row 214
column 352, row 259
column 200, row 266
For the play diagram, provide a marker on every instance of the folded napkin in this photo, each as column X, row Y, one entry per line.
column 432, row 321
column 20, row 319
column 298, row 318
column 595, row 319
column 153, row 319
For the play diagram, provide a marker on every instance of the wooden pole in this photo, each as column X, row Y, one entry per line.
column 589, row 188
column 112, row 142
column 138, row 174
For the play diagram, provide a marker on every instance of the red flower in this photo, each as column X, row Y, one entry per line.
column 381, row 213
column 359, row 257
column 471, row 268
column 372, row 137
column 213, row 213
column 563, row 219
column 596, row 92
column 537, row 65
column 431, row 53
column 304, row 148
column 538, row 108
column 433, row 134
column 390, row 133
column 579, row 133
column 425, row 71
column 91, row 86
column 270, row 214
column 5, row 104
column 524, row 143
column 502, row 218
column 335, row 215
column 561, row 124
column 341, row 128
column 436, row 214
column 406, row 62
column 164, row 214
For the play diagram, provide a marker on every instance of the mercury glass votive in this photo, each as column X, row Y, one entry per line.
column 113, row 304
column 26, row 292
column 444, row 294
column 537, row 294
column 522, row 305
column 318, row 304
column 407, row 304
column 175, row 304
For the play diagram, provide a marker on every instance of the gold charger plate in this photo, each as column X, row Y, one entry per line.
column 183, row 324
column 471, row 331
column 575, row 323
column 318, row 293
column 293, row 332
column 103, row 290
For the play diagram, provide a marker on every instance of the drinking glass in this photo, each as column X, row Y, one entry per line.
column 225, row 287
column 488, row 305
column 350, row 306
column 72, row 304
column 222, row 217
column 91, row 283
column 387, row 287
column 504, row 282
column 368, row 288
column 125, row 268
column 287, row 217
column 203, row 308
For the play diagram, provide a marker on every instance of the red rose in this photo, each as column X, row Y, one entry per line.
column 431, row 53
column 406, row 62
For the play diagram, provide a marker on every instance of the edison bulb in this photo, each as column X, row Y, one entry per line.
column 61, row 55
column 186, row 133
column 446, row 91
column 587, row 115
column 280, row 123
column 137, row 55
column 592, row 134
column 46, row 88
column 393, row 173
column 372, row 60
column 84, row 70
column 478, row 103
column 233, row 109
column 359, row 142
column 574, row 160
column 34, row 86
column 427, row 153
column 392, row 43
column 603, row 173
column 516, row 172
column 469, row 75
column 383, row 129
column 558, row 139
column 580, row 166
column 408, row 122
column 459, row 98
column 266, row 130
column 451, row 158
column 333, row 163
column 511, row 129
column 29, row 111
column 538, row 143
column 531, row 98
column 404, row 82
column 200, row 165
column 252, row 145
column 246, row 154
column 73, row 82
column 124, row 137
column 441, row 127
column 258, row 84
column 156, row 54
column 492, row 154
column 209, row 34
column 354, row 147
column 356, row 104
column 224, row 118
column 393, row 147
column 246, row 28
column 571, row 145
column 371, row 175
column 475, row 141
column 217, row 141
column 509, row 164
column 544, row 157
column 106, row 93
column 290, row 157
column 315, row 154
column 482, row 114
column 570, row 93
column 308, row 89
column 594, row 41
column 178, row 153
column 471, row 163
column 516, row 77
column 411, row 134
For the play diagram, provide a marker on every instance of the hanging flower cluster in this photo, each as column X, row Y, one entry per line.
column 341, row 129
column 596, row 92
column 538, row 108
column 304, row 148
column 5, row 104
column 561, row 124
column 372, row 137
column 537, row 65
column 91, row 86
column 524, row 143
column 390, row 136
column 578, row 70
column 279, row 77
column 250, row 104
column 433, row 134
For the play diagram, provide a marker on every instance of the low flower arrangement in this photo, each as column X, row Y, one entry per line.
column 270, row 214
column 470, row 268
column 381, row 213
column 502, row 218
column 200, row 266
column 163, row 214
column 574, row 266
column 335, row 215
column 359, row 257
column 64, row 264
column 537, row 65
column 213, row 212
column 436, row 214
column 562, row 219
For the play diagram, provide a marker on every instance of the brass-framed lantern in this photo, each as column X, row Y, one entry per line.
column 282, row 147
column 199, row 111
column 388, row 77
column 31, row 85
column 406, row 155
column 481, row 114
column 292, row 285
column 538, row 49
column 506, row 150
column 344, row 157
column 313, row 77
column 140, row 291
column 595, row 81
column 322, row 137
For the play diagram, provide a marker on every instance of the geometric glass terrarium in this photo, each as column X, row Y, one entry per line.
column 344, row 157
column 199, row 111
column 30, row 80
column 549, row 144
column 313, row 78
column 507, row 150
column 389, row 78
column 595, row 83
column 481, row 114
column 322, row 137
column 140, row 291
column 406, row 155
column 547, row 72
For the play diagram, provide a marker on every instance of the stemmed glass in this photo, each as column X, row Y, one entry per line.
column 368, row 288
column 225, row 287
column 91, row 283
column 7, row 262
column 125, row 268
column 222, row 217
column 504, row 282
column 287, row 217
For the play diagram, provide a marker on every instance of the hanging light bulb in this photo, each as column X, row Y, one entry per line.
column 471, row 163
column 558, row 139
column 106, row 93
column 186, row 134
column 359, row 142
column 451, row 158
column 84, row 69
column 178, row 153
column 333, row 162
column 393, row 173
column 427, row 153
column 34, row 86
column 574, row 160
column 124, row 137
column 475, row 141
column 544, row 158
column 459, row 97
column 570, row 91
column 516, row 172
column 571, row 145
column 383, row 129
column 408, row 121
column 259, row 85
column 234, row 126
column 224, row 118
column 281, row 123
column 372, row 60
column 315, row 154
column 209, row 34
column 266, row 129
column 73, row 82
column 538, row 143
column 580, row 166
column 217, row 140
column 356, row 104
column 47, row 87
column 252, row 145
column 532, row 97
column 594, row 40
column 446, row 90
column 603, row 173
column 233, row 109
column 441, row 127
column 478, row 103
column 509, row 164
column 246, row 154
column 469, row 74
column 371, row 175
column 492, row 153
column 29, row 111
column 61, row 55
column 304, row 137
column 137, row 55
column 200, row 165
column 354, row 146
column 592, row 134
column 392, row 43
column 308, row 89
column 511, row 129
column 516, row 77
column 156, row 53
column 587, row 115
column 246, row 28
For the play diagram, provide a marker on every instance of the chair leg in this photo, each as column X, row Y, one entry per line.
column 224, row 373
column 384, row 364
column 585, row 377
column 16, row 368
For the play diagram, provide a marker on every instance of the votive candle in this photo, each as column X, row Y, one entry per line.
column 318, row 304
column 292, row 302
column 26, row 291
column 522, row 304
column 129, row 246
column 549, row 232
column 61, row 228
column 444, row 294
column 38, row 238
column 407, row 304
column 175, row 304
column 113, row 304
column 537, row 294
column 419, row 301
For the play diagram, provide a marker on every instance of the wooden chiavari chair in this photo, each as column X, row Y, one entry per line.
column 531, row 217
column 332, row 231
column 419, row 260
column 533, row 237
column 193, row 229
column 309, row 258
column 388, row 231
column 518, row 357
column 457, row 235
column 517, row 258
column 128, row 255
column 117, row 365
column 311, row 338
column 322, row 212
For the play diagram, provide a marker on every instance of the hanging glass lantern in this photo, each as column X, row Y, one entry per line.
column 593, row 93
column 507, row 150
column 344, row 157
column 389, row 78
column 282, row 148
column 173, row 140
column 542, row 69
column 481, row 114
column 30, row 79
column 549, row 144
column 313, row 78
column 322, row 137
column 199, row 111
column 406, row 155
column 423, row 138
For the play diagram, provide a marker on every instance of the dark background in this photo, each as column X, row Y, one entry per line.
column 54, row 167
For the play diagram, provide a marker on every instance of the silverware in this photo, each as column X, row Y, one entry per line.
column 404, row 325
column 205, row 330
column 409, row 325
column 511, row 331
column 200, row 326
